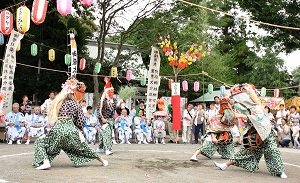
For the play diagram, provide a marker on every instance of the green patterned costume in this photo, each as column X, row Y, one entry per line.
column 106, row 133
column 208, row 149
column 64, row 136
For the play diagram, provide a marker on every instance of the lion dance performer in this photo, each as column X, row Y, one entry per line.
column 259, row 139
column 106, row 110
column 67, row 119
column 219, row 129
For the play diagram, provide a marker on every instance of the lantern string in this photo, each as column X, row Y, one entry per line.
column 239, row 17
column 22, row 2
column 165, row 77
column 44, row 45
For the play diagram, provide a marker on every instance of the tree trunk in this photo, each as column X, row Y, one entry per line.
column 96, row 97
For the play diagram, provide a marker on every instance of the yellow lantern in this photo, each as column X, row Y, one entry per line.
column 114, row 72
column 51, row 55
column 18, row 47
column 23, row 19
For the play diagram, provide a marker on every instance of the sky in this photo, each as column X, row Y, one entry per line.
column 291, row 60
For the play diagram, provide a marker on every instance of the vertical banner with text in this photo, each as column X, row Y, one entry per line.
column 74, row 58
column 8, row 70
column 153, row 82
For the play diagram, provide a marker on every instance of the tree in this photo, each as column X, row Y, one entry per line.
column 110, row 15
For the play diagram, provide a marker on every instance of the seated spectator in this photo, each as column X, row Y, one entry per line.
column 143, row 134
column 284, row 136
column 159, row 130
column 123, row 123
column 35, row 124
column 91, row 126
column 15, row 124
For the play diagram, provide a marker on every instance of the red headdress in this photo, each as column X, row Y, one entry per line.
column 108, row 85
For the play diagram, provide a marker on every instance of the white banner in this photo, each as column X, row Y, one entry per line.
column 153, row 82
column 74, row 58
column 175, row 89
column 8, row 70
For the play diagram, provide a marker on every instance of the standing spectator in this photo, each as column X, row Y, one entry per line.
column 295, row 133
column 212, row 111
column 172, row 132
column 25, row 106
column 15, row 124
column 83, row 106
column 199, row 120
column 188, row 117
column 284, row 134
column 281, row 114
column 46, row 105
column 292, row 116
column 133, row 111
column 217, row 103
column 141, row 106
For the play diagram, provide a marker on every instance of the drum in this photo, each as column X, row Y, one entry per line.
column 224, row 138
column 252, row 140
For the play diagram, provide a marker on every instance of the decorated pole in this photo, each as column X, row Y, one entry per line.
column 176, row 113
column 74, row 58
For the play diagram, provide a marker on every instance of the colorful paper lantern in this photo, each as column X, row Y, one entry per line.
column 82, row 64
column 87, row 2
column 185, row 85
column 6, row 22
column 67, row 59
column 222, row 90
column 196, row 86
column 34, row 49
column 263, row 91
column 128, row 75
column 1, row 39
column 114, row 72
column 38, row 11
column 51, row 55
column 276, row 93
column 210, row 88
column 23, row 19
column 170, row 83
column 64, row 7
column 97, row 67
column 19, row 46
column 143, row 80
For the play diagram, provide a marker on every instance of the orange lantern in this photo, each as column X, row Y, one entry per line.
column 6, row 22
column 23, row 19
column 51, row 55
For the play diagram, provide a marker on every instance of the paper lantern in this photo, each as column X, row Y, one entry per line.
column 97, row 67
column 38, row 11
column 196, row 86
column 210, row 88
column 51, row 55
column 185, row 85
column 82, row 64
column 23, row 19
column 276, row 93
column 1, row 39
column 263, row 91
column 34, row 49
column 87, row 2
column 128, row 75
column 64, row 7
column 143, row 80
column 19, row 46
column 67, row 59
column 114, row 72
column 6, row 22
column 170, row 83
column 222, row 90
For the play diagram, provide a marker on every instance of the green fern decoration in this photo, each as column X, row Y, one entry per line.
column 125, row 92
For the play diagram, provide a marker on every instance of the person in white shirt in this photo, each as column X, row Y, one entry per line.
column 188, row 117
column 92, row 125
column 83, row 106
column 295, row 134
column 212, row 111
column 35, row 124
column 46, row 105
column 199, row 120
column 15, row 124
column 217, row 103
column 280, row 114
column 124, row 122
column 133, row 112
